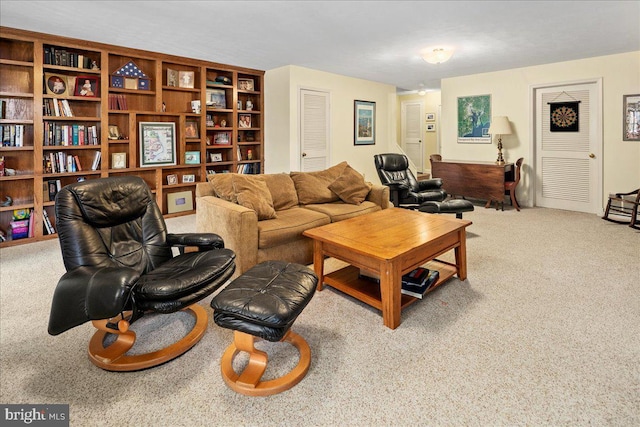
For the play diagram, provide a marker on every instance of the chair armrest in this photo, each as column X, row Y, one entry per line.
column 203, row 241
column 90, row 293
column 235, row 224
column 430, row 184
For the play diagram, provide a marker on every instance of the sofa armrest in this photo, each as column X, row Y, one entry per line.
column 204, row 189
column 379, row 195
column 237, row 225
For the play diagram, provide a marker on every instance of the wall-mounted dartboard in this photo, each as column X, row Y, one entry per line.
column 564, row 116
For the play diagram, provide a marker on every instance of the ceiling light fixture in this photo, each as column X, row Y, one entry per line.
column 421, row 90
column 437, row 55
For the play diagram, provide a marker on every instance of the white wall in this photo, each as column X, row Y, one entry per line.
column 281, row 119
column 510, row 92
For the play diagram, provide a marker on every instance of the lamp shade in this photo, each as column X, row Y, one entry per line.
column 438, row 55
column 500, row 126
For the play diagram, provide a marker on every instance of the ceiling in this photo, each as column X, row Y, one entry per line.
column 374, row 40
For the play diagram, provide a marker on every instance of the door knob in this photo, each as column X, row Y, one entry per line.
column 304, row 154
column 593, row 156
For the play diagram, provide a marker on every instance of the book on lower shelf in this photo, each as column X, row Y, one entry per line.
column 415, row 283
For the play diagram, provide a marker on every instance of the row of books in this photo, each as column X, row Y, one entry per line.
column 56, row 107
column 249, row 168
column 117, row 102
column 12, row 135
column 56, row 56
column 61, row 162
column 65, row 135
column 415, row 283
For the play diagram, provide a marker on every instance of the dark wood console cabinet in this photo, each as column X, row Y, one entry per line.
column 479, row 180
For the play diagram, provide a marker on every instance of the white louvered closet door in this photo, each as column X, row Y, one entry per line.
column 314, row 130
column 569, row 164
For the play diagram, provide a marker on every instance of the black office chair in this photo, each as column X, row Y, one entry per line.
column 120, row 266
column 406, row 191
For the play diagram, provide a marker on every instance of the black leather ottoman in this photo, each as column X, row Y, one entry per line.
column 456, row 206
column 264, row 302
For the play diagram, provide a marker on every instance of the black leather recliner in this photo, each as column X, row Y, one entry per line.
column 406, row 191
column 120, row 266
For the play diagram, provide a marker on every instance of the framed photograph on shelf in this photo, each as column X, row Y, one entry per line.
column 222, row 138
column 364, row 123
column 172, row 179
column 216, row 157
column 474, row 119
column 157, row 144
column 172, row 77
column 245, row 84
column 179, row 202
column 431, row 127
column 87, row 86
column 191, row 129
column 244, row 120
column 56, row 84
column 631, row 117
column 118, row 160
column 114, row 132
column 192, row 158
column 216, row 98
column 186, row 79
column 430, row 117
column 188, row 178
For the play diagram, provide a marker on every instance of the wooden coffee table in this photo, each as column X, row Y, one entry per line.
column 388, row 243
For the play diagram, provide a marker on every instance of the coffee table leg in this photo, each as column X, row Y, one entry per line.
column 390, row 295
column 318, row 263
column 461, row 255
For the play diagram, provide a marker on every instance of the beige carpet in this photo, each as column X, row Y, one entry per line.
column 545, row 331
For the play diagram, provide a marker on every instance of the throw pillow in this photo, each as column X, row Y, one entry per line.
column 313, row 187
column 350, row 186
column 223, row 186
column 282, row 190
column 252, row 192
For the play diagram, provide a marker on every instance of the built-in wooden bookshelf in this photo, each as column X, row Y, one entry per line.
column 216, row 111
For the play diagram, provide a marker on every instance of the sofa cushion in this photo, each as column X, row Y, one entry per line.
column 282, row 190
column 313, row 187
column 350, row 186
column 223, row 186
column 288, row 226
column 252, row 192
column 338, row 211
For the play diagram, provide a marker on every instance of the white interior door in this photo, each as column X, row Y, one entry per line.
column 411, row 128
column 314, row 130
column 568, row 165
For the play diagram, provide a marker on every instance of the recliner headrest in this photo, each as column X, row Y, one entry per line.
column 392, row 162
column 111, row 201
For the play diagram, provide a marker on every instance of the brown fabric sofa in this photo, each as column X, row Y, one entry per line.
column 262, row 217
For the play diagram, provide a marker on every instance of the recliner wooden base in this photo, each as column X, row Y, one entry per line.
column 114, row 357
column 248, row 381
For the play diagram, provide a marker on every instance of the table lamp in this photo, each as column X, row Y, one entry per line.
column 500, row 126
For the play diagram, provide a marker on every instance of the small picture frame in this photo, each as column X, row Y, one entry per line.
column 245, row 84
column 180, row 201
column 191, row 129
column 56, row 84
column 186, row 179
column 222, row 138
column 172, row 77
column 114, row 132
column 431, row 127
column 118, row 160
column 216, row 157
column 186, row 79
column 172, row 179
column 430, row 117
column 192, row 158
column 364, row 123
column 87, row 86
column 631, row 117
column 216, row 98
column 244, row 120
column 196, row 106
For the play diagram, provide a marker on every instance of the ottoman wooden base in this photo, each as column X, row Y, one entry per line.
column 248, row 381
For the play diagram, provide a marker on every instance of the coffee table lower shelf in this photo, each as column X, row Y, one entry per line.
column 347, row 280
